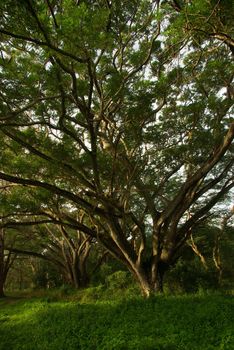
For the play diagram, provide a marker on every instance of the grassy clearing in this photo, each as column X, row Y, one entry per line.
column 88, row 321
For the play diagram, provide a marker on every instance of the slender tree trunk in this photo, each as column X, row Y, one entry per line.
column 2, row 267
column 216, row 250
column 79, row 276
column 84, row 278
column 75, row 270
column 159, row 279
column 2, row 281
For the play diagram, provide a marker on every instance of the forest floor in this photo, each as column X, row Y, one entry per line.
column 88, row 320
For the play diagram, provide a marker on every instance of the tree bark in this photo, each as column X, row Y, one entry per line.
column 216, row 250
column 143, row 282
column 84, row 278
column 2, row 294
column 2, row 282
column 150, row 285
column 2, row 267
column 158, row 280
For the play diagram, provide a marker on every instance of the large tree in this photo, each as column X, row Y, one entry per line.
column 123, row 110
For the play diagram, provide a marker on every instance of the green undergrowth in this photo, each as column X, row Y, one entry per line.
column 98, row 319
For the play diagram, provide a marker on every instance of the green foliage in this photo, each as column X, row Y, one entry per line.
column 190, row 276
column 47, row 276
column 185, row 322
column 119, row 279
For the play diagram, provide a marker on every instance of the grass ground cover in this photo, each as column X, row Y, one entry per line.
column 162, row 322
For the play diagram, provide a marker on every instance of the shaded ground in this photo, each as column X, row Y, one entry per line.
column 10, row 300
column 168, row 323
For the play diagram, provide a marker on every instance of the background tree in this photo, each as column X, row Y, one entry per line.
column 224, row 240
column 63, row 247
column 206, row 262
column 122, row 111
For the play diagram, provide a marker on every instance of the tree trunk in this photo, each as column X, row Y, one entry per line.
column 79, row 276
column 84, row 278
column 144, row 284
column 141, row 278
column 75, row 271
column 2, row 267
column 151, row 285
column 161, row 270
column 2, row 281
column 159, row 281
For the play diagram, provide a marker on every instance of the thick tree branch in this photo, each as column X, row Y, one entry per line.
column 44, row 156
column 198, row 175
column 56, row 190
column 205, row 209
column 43, row 44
